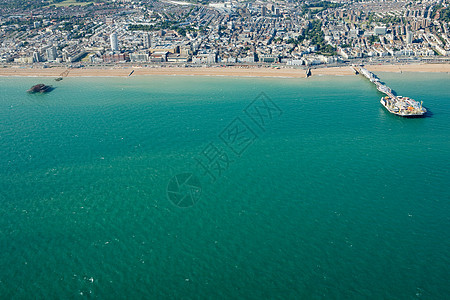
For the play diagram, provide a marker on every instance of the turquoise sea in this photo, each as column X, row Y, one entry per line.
column 295, row 189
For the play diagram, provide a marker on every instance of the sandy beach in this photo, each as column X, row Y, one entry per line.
column 216, row 71
column 433, row 68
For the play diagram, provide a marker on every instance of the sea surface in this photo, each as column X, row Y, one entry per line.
column 189, row 187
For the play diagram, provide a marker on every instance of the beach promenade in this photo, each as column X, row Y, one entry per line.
column 120, row 71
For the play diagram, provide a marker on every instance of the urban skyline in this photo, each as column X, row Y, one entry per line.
column 232, row 32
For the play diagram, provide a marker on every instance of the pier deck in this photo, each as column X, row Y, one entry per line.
column 402, row 106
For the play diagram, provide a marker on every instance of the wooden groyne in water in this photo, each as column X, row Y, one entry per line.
column 308, row 72
column 63, row 74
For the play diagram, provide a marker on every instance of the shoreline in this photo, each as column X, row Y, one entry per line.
column 215, row 71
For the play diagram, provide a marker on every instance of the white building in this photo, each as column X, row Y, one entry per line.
column 114, row 42
column 409, row 37
column 379, row 30
column 139, row 57
column 295, row 62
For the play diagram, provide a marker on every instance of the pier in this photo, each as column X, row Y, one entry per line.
column 375, row 80
column 398, row 105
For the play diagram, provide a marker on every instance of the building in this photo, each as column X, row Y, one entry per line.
column 147, row 41
column 354, row 33
column 159, row 56
column 409, row 37
column 165, row 48
column 114, row 42
column 51, row 54
column 268, row 58
column 295, row 62
column 73, row 55
column 205, row 58
column 24, row 60
column 177, row 58
column 247, row 59
column 36, row 57
column 185, row 50
column 442, row 51
column 115, row 57
column 139, row 57
column 263, row 11
column 379, row 30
